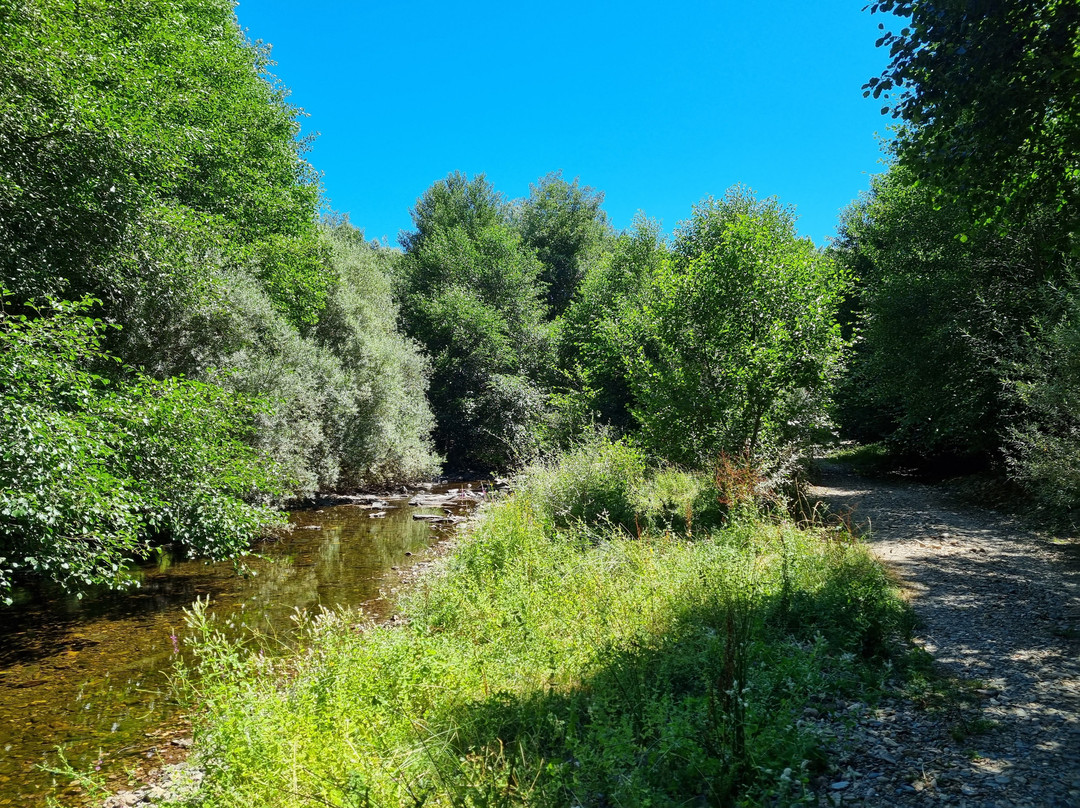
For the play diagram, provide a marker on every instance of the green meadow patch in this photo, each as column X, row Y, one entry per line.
column 556, row 661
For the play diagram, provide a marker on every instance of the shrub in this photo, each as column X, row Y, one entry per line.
column 1044, row 441
column 93, row 470
column 597, row 481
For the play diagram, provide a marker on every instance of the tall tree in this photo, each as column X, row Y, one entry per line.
column 941, row 321
column 130, row 131
column 471, row 296
column 592, row 357
column 224, row 349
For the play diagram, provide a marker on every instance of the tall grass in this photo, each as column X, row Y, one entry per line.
column 560, row 662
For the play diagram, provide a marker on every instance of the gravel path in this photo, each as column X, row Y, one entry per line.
column 999, row 607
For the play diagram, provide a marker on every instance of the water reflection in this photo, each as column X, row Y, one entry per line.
column 91, row 675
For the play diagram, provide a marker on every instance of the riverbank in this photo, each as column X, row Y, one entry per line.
column 610, row 634
column 90, row 676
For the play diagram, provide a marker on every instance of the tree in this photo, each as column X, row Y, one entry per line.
column 150, row 171
column 1043, row 447
column 564, row 223
column 940, row 321
column 988, row 92
column 119, row 122
column 737, row 342
column 918, row 376
column 470, row 295
column 594, row 385
column 384, row 432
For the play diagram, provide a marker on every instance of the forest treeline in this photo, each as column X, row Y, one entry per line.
column 965, row 318
column 187, row 340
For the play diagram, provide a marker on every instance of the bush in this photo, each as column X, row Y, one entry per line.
column 597, row 481
column 1044, row 441
column 93, row 470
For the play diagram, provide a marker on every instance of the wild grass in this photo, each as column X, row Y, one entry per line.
column 561, row 661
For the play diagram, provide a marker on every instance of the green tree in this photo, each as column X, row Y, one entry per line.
column 969, row 246
column 1043, row 446
column 737, row 342
column 564, row 223
column 988, row 92
column 120, row 121
column 594, row 385
column 385, row 433
column 470, row 295
column 149, row 160
column 940, row 320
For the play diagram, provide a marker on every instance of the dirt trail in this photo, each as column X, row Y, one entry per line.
column 999, row 607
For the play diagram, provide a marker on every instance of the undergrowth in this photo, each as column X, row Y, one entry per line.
column 558, row 660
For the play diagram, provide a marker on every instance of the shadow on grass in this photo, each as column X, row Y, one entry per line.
column 706, row 714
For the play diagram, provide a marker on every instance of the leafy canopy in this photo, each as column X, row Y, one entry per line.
column 114, row 117
column 564, row 223
column 988, row 93
column 471, row 295
column 736, row 343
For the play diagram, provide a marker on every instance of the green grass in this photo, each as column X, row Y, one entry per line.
column 559, row 662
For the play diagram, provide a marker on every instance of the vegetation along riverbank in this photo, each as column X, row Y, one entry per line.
column 611, row 634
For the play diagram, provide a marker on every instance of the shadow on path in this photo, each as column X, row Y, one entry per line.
column 998, row 603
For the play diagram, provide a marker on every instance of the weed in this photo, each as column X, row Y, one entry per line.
column 965, row 728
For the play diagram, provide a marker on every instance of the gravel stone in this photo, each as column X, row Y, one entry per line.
column 999, row 612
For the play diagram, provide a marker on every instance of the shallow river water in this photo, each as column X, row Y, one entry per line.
column 91, row 676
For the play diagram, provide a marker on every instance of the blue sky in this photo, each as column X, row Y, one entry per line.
column 656, row 105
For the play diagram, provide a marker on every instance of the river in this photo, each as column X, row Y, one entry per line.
column 91, row 676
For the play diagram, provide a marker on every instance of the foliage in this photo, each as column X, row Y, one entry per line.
column 989, row 96
column 592, row 355
column 112, row 117
column 736, row 344
column 564, row 223
column 93, row 471
column 347, row 403
column 148, row 158
column 470, row 295
column 554, row 666
column 1044, row 442
column 595, row 482
column 969, row 244
column 386, row 437
column 918, row 375
column 940, row 320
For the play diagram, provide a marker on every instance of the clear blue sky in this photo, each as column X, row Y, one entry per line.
column 657, row 105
